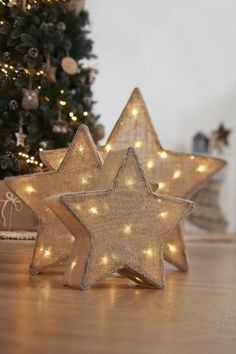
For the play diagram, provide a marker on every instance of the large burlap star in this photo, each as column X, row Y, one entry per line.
column 178, row 174
column 119, row 229
column 77, row 172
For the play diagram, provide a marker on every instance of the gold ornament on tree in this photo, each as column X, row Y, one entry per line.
column 77, row 172
column 115, row 227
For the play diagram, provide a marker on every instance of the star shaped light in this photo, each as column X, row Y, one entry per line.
column 77, row 172
column 119, row 229
column 178, row 174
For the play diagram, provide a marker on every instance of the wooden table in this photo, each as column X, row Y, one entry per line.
column 195, row 313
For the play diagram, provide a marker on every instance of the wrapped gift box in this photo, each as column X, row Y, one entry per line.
column 14, row 214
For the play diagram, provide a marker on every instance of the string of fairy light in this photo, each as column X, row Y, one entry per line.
column 31, row 160
column 31, row 2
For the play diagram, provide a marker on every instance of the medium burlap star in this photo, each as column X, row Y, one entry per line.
column 120, row 226
column 77, row 172
column 178, row 174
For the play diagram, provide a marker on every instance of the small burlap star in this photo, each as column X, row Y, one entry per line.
column 77, row 172
column 119, row 229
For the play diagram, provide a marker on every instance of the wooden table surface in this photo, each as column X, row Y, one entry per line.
column 195, row 313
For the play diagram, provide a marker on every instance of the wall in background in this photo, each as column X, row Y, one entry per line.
column 182, row 54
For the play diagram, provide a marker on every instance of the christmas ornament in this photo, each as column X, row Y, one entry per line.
column 178, row 174
column 6, row 56
column 221, row 138
column 13, row 105
column 75, row 5
column 60, row 126
column 33, row 52
column 61, row 26
column 30, row 99
column 69, row 65
column 115, row 227
column 98, row 132
column 20, row 137
column 50, row 71
column 77, row 172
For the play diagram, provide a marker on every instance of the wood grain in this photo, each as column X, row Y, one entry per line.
column 195, row 313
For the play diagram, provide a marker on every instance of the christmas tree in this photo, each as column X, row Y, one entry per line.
column 45, row 80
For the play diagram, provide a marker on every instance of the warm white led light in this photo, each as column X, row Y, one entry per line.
column 163, row 214
column 30, row 189
column 135, row 112
column 104, row 260
column 127, row 229
column 129, row 182
column 108, row 147
column 163, row 154
column 201, row 168
column 93, row 210
column 73, row 264
column 172, row 248
column 148, row 252
column 150, row 164
column 176, row 174
column 138, row 144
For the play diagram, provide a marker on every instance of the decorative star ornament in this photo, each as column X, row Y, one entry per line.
column 77, row 172
column 115, row 227
column 178, row 174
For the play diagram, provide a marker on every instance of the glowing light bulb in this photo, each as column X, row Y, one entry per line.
column 62, row 91
column 62, row 103
column 150, row 164
column 104, row 260
column 41, row 165
column 176, row 174
column 163, row 154
column 201, row 168
column 85, row 113
column 138, row 144
column 161, row 185
column 192, row 157
column 129, row 182
column 127, row 229
column 30, row 189
column 163, row 214
column 81, row 149
column 71, row 114
column 47, row 253
column 138, row 279
column 73, row 264
column 148, row 252
column 172, row 248
column 134, row 112
column 84, row 181
column 108, row 147
column 93, row 210
column 40, row 149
